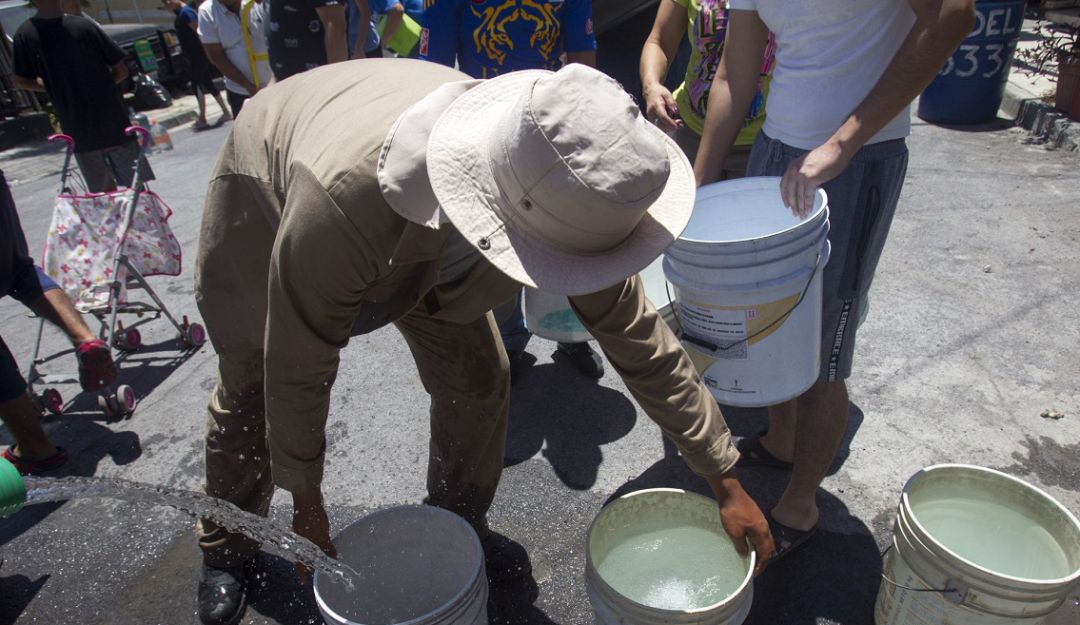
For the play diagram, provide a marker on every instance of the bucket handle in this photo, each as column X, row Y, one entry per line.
column 723, row 348
column 955, row 595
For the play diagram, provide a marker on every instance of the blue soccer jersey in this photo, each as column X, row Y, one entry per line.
column 492, row 37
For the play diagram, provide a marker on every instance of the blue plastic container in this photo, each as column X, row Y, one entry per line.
column 968, row 90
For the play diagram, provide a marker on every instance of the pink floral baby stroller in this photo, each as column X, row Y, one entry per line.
column 100, row 248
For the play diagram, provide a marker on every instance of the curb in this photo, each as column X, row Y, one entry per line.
column 1040, row 118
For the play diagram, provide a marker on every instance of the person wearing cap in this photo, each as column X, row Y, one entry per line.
column 397, row 191
column 487, row 38
column 836, row 117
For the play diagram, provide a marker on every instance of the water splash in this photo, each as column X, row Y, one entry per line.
column 274, row 538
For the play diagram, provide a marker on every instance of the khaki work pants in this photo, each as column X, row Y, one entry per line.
column 462, row 366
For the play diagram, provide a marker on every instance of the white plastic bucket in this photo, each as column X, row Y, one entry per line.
column 656, row 290
column 418, row 565
column 700, row 580
column 974, row 546
column 746, row 274
column 549, row 316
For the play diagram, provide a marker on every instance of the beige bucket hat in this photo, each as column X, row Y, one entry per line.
column 558, row 179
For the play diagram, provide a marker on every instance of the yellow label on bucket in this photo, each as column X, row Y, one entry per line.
column 764, row 319
column 729, row 326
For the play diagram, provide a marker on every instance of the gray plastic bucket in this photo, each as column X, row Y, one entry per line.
column 974, row 546
column 418, row 565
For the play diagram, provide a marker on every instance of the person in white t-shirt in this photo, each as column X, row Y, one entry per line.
column 234, row 37
column 837, row 114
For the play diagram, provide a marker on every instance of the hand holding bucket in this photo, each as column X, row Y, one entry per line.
column 806, row 174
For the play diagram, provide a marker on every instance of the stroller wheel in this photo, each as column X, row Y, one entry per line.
column 194, row 335
column 126, row 400
column 108, row 406
column 52, row 401
column 128, row 340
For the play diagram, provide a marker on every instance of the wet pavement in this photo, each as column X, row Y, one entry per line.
column 974, row 331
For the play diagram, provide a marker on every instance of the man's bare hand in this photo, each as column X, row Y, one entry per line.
column 311, row 522
column 806, row 174
column 742, row 519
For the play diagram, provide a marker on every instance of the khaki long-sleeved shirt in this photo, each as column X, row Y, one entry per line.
column 341, row 261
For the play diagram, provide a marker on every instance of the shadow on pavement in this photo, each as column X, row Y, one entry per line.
column 834, row 576
column 144, row 370
column 16, row 592
column 566, row 417
column 511, row 602
column 995, row 125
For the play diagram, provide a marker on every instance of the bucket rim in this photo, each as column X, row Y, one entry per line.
column 599, row 579
column 473, row 580
column 824, row 254
column 905, row 504
column 763, row 183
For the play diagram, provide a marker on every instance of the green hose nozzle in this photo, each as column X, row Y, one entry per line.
column 12, row 489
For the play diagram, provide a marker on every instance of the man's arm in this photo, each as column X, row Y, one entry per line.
column 216, row 53
column 395, row 16
column 660, row 376
column 28, row 84
column 334, row 37
column 940, row 26
column 585, row 58
column 365, row 27
column 119, row 72
column 318, row 274
column 732, row 91
column 656, row 55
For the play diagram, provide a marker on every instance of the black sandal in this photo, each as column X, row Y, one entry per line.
column 786, row 539
column 753, row 454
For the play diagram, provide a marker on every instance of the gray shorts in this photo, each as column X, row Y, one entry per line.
column 862, row 201
column 109, row 168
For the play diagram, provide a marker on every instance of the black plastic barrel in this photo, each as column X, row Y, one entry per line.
column 968, row 90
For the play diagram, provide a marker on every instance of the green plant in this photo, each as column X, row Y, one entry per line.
column 1059, row 44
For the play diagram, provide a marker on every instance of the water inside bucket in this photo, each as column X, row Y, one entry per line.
column 1005, row 539
column 742, row 210
column 674, row 568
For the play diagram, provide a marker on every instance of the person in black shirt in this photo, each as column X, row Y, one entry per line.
column 305, row 34
column 72, row 60
column 202, row 81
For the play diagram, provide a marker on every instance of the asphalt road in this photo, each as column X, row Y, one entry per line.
column 974, row 331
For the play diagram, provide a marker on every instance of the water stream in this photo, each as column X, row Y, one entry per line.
column 274, row 538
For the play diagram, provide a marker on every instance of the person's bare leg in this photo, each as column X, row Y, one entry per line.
column 200, row 97
column 780, row 439
column 55, row 307
column 225, row 114
column 23, row 420
column 821, row 421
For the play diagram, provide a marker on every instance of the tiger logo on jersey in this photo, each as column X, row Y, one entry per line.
column 491, row 36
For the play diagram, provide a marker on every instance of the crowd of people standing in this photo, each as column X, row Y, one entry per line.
column 445, row 243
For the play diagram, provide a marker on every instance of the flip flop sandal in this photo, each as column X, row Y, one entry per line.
column 202, row 126
column 786, row 539
column 753, row 454
column 36, row 467
column 96, row 366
